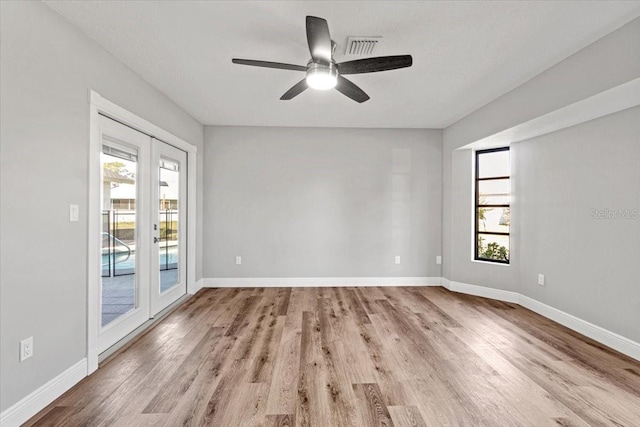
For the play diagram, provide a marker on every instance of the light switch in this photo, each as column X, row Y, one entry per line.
column 74, row 213
column 438, row 259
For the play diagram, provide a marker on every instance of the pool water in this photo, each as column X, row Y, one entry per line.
column 125, row 263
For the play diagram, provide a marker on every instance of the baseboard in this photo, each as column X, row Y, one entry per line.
column 40, row 398
column 481, row 291
column 597, row 333
column 250, row 282
column 199, row 285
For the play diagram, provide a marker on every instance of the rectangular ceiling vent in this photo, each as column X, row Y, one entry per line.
column 362, row 46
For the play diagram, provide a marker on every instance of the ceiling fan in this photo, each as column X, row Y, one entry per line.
column 323, row 72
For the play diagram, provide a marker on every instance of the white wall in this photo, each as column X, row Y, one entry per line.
column 47, row 67
column 305, row 202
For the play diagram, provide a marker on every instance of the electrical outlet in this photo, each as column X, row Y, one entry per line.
column 26, row 348
column 397, row 259
column 438, row 260
column 541, row 279
column 238, row 260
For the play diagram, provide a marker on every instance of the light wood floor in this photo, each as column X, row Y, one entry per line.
column 355, row 357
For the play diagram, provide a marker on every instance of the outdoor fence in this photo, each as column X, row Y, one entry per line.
column 119, row 241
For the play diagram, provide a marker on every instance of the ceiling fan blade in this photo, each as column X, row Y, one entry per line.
column 349, row 89
column 373, row 65
column 319, row 39
column 296, row 90
column 268, row 64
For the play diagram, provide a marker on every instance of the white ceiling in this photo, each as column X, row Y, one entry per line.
column 465, row 54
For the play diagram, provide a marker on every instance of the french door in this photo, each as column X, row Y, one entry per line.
column 143, row 208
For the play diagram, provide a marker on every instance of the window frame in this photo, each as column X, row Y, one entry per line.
column 477, row 206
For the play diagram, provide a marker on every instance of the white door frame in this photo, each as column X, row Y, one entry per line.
column 99, row 105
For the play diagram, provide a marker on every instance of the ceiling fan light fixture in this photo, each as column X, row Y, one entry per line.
column 322, row 76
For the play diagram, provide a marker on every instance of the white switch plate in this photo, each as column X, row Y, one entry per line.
column 541, row 279
column 238, row 260
column 438, row 260
column 26, row 348
column 74, row 213
column 397, row 259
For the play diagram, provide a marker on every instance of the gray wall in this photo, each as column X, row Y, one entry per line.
column 591, row 265
column 459, row 259
column 609, row 62
column 304, row 202
column 47, row 67
column 605, row 64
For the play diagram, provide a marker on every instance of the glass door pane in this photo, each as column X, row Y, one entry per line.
column 119, row 194
column 169, row 262
column 169, row 223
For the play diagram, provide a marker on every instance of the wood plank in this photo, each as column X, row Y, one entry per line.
column 219, row 402
column 406, row 416
column 375, row 412
column 387, row 369
column 312, row 403
column 56, row 416
column 283, row 390
column 241, row 320
column 368, row 301
column 280, row 420
column 178, row 383
column 358, row 311
column 432, row 310
column 349, row 351
column 339, row 395
column 263, row 356
column 283, row 307
column 192, row 406
column 330, row 324
column 244, row 406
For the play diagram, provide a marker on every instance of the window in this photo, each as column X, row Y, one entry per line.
column 492, row 205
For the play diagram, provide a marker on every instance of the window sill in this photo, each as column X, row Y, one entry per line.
column 499, row 264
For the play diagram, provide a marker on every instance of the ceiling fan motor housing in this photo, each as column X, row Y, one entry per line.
column 322, row 76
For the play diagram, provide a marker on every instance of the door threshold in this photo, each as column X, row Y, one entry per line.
column 113, row 351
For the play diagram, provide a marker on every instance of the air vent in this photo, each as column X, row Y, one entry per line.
column 362, row 46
